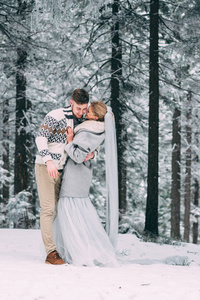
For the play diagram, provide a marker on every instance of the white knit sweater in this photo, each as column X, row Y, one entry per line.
column 51, row 138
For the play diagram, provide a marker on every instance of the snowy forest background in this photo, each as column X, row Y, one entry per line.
column 140, row 57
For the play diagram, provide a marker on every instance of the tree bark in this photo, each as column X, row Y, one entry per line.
column 21, row 174
column 6, row 150
column 23, row 165
column 188, row 170
column 196, row 203
column 176, row 175
column 30, row 161
column 151, row 221
column 117, row 106
column 196, row 197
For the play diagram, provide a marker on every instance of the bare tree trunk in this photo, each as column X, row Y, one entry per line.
column 151, row 221
column 176, row 175
column 117, row 106
column 188, row 170
column 23, row 177
column 30, row 161
column 20, row 178
column 196, row 203
column 6, row 149
column 196, row 199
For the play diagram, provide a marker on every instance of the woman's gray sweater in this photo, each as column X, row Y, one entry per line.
column 77, row 174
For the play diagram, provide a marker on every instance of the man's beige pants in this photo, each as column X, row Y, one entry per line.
column 48, row 192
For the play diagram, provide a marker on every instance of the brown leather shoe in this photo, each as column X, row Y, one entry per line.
column 54, row 258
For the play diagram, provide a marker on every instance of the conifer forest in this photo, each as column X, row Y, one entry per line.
column 142, row 58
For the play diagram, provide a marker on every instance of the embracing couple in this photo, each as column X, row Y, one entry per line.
column 67, row 145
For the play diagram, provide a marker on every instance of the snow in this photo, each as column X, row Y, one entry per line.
column 146, row 271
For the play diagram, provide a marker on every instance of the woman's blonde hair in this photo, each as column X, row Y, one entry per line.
column 99, row 109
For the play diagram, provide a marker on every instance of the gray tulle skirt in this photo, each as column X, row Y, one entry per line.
column 79, row 235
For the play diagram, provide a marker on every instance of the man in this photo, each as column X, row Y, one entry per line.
column 49, row 163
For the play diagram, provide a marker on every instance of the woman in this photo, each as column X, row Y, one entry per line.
column 79, row 235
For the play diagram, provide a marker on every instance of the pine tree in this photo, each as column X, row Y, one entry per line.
column 195, row 227
column 117, row 105
column 176, row 175
column 5, row 145
column 21, row 174
column 187, row 197
column 151, row 221
column 16, row 39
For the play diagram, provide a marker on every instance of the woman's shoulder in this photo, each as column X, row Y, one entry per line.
column 90, row 125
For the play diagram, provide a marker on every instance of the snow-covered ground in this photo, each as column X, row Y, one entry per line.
column 147, row 271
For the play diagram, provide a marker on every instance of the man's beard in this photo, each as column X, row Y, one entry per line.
column 77, row 117
column 72, row 106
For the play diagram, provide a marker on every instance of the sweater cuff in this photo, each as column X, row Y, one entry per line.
column 46, row 158
column 45, row 154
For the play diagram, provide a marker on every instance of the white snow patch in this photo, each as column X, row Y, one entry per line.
column 147, row 271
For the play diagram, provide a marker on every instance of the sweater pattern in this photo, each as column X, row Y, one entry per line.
column 54, row 130
column 52, row 137
column 54, row 156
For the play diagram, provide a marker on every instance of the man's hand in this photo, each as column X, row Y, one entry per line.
column 70, row 134
column 89, row 156
column 51, row 169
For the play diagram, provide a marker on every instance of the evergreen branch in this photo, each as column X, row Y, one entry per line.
column 178, row 87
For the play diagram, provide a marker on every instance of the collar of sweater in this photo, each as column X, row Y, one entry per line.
column 91, row 125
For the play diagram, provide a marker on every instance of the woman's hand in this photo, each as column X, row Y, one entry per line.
column 89, row 156
column 70, row 134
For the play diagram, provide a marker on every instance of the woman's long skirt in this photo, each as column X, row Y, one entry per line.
column 79, row 235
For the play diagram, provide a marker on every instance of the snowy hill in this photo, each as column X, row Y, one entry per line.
column 147, row 271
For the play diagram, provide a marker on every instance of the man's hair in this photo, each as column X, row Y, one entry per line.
column 99, row 109
column 80, row 96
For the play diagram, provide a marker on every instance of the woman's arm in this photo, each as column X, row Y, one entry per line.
column 81, row 144
column 75, row 152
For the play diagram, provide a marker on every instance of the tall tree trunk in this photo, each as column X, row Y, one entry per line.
column 21, row 174
column 6, row 149
column 151, row 221
column 176, row 175
column 30, row 161
column 196, row 203
column 195, row 229
column 117, row 106
column 23, row 178
column 188, row 170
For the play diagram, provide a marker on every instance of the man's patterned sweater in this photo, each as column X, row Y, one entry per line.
column 51, row 138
